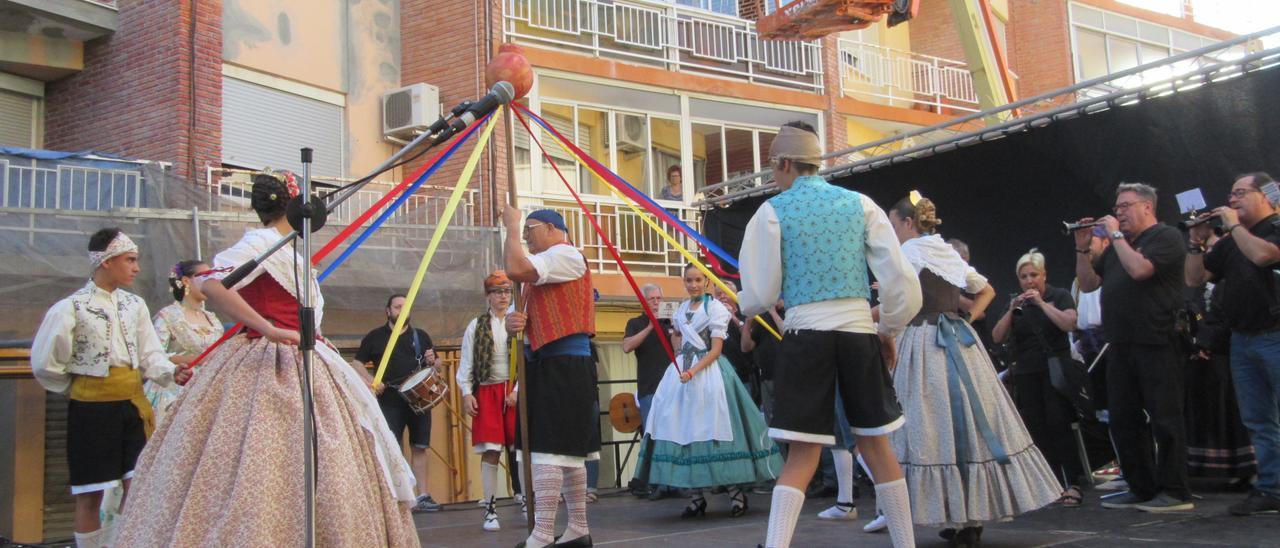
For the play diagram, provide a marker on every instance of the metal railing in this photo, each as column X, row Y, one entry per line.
column 69, row 187
column 669, row 35
column 895, row 77
column 1171, row 75
column 421, row 209
column 643, row 249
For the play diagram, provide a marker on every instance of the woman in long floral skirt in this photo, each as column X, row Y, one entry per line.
column 225, row 469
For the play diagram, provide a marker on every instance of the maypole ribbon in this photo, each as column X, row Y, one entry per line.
column 626, row 272
column 689, row 256
column 386, row 214
column 414, row 181
column 635, row 193
column 445, row 217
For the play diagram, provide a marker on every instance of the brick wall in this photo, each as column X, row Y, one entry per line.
column 135, row 96
column 1040, row 45
column 933, row 31
column 456, row 66
column 751, row 9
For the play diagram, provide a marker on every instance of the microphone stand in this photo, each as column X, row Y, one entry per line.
column 441, row 130
column 307, row 345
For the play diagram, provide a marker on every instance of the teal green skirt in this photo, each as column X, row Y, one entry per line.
column 750, row 458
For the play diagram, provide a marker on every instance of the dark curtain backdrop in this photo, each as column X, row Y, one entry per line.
column 1007, row 196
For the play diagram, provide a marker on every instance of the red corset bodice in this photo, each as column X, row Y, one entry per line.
column 265, row 295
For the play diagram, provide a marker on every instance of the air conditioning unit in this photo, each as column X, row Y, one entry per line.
column 409, row 108
column 631, row 134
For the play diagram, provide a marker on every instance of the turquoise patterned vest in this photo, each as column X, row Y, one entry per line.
column 823, row 238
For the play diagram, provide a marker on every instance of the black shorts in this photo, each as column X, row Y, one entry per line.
column 563, row 413
column 400, row 416
column 814, row 365
column 104, row 440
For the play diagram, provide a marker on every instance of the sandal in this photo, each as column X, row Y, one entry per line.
column 592, row 496
column 1071, row 498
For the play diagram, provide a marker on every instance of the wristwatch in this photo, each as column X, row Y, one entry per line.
column 1117, row 235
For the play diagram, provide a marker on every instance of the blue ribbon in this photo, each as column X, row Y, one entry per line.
column 951, row 334
column 391, row 209
column 659, row 211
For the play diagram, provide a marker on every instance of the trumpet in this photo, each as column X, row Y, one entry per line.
column 1069, row 227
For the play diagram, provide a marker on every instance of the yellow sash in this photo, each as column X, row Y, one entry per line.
column 121, row 383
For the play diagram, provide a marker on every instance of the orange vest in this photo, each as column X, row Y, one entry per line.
column 559, row 310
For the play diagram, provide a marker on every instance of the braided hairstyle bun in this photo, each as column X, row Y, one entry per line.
column 269, row 198
column 923, row 212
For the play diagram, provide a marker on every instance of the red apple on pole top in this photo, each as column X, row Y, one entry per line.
column 510, row 65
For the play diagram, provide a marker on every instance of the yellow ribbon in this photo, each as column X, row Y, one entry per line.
column 454, row 199
column 645, row 216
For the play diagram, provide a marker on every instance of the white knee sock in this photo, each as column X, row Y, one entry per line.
column 575, row 500
column 547, row 480
column 92, row 539
column 786, row 506
column 489, row 479
column 844, row 474
column 895, row 503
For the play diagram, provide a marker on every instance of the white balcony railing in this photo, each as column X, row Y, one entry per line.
column 644, row 251
column 901, row 77
column 664, row 34
column 421, row 209
column 69, row 187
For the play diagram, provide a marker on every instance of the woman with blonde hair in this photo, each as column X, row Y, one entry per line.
column 1037, row 323
column 967, row 457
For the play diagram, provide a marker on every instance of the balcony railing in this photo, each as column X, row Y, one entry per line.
column 420, row 210
column 903, row 78
column 65, row 186
column 644, row 251
column 667, row 35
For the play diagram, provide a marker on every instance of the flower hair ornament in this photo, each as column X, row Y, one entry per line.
column 915, row 197
column 175, row 276
column 120, row 245
column 285, row 176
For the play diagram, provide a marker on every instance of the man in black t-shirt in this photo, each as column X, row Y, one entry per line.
column 1243, row 264
column 413, row 351
column 1141, row 275
column 651, row 358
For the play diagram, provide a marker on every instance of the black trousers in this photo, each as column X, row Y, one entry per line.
column 1048, row 416
column 1153, row 455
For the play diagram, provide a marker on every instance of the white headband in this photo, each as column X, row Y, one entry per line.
column 120, row 245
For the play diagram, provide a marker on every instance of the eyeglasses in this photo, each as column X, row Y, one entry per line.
column 1241, row 192
column 1124, row 205
column 527, row 228
column 499, row 291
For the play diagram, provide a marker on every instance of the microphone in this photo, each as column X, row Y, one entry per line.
column 500, row 94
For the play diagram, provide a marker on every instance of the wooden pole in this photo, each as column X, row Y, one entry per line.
column 526, row 465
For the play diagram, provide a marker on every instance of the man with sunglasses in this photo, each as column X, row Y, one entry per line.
column 1242, row 265
column 1141, row 276
column 557, row 318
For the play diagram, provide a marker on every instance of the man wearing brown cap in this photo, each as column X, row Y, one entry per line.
column 814, row 243
column 484, row 380
column 558, row 320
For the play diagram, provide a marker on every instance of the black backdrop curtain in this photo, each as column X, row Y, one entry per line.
column 1006, row 196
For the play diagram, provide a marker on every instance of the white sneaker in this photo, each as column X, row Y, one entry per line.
column 1118, row 484
column 839, row 511
column 876, row 525
column 519, row 498
column 491, row 521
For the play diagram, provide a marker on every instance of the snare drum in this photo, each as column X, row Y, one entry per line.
column 424, row 389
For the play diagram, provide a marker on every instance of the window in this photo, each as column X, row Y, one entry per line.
column 593, row 129
column 633, row 150
column 1107, row 42
column 725, row 7
column 17, row 120
column 266, row 127
column 666, row 153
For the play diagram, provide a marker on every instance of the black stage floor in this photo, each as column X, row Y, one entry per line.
column 620, row 519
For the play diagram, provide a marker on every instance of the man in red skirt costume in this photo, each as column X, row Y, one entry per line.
column 484, row 379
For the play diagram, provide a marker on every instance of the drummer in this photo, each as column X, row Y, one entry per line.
column 413, row 351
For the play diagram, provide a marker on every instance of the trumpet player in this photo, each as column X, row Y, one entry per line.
column 1141, row 276
column 1241, row 263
